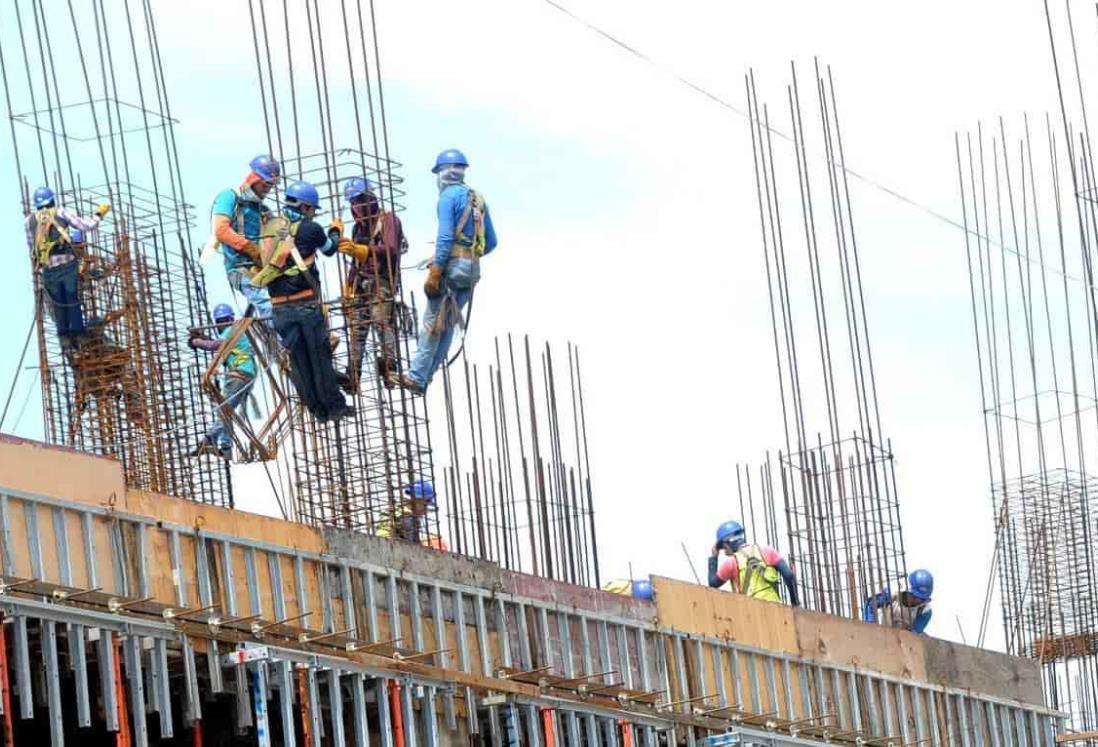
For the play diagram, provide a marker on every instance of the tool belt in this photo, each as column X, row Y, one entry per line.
column 302, row 295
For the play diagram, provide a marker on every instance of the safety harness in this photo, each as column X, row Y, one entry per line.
column 49, row 235
column 277, row 245
column 758, row 579
column 474, row 210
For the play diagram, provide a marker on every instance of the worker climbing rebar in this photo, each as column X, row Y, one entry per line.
column 55, row 236
column 288, row 272
column 465, row 234
column 238, row 378
column 753, row 570
column 237, row 219
column 373, row 284
column 909, row 610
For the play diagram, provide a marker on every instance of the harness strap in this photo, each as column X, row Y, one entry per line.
column 299, row 296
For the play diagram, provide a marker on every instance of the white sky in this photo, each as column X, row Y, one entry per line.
column 626, row 210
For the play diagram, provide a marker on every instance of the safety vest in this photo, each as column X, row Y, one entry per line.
column 49, row 234
column 899, row 615
column 275, row 252
column 757, row 579
column 621, row 586
column 474, row 211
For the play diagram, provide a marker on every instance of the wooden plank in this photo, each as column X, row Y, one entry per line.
column 836, row 640
column 726, row 615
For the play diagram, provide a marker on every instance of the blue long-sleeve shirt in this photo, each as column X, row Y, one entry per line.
column 451, row 204
column 916, row 619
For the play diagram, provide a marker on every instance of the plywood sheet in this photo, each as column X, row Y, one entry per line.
column 59, row 472
column 836, row 640
column 721, row 614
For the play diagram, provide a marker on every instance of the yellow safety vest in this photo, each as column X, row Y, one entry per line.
column 757, row 579
column 48, row 234
column 274, row 252
column 619, row 586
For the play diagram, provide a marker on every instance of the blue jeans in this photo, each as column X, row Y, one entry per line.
column 62, row 286
column 434, row 340
column 235, row 391
column 257, row 297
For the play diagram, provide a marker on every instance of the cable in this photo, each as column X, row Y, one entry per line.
column 910, row 201
column 19, row 366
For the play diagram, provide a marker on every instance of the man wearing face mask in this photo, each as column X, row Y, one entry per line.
column 238, row 217
column 376, row 243
column 465, row 234
column 290, row 274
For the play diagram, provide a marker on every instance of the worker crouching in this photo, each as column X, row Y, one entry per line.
column 407, row 521
column 909, row 610
column 753, row 570
column 465, row 234
column 290, row 275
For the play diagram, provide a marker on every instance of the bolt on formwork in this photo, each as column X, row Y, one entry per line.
column 518, row 485
column 128, row 388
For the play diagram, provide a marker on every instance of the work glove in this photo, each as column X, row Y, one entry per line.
column 251, row 250
column 193, row 340
column 359, row 252
column 335, row 229
column 102, row 210
column 432, row 287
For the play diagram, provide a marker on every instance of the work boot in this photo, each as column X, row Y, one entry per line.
column 225, row 452
column 347, row 381
column 404, row 382
column 385, row 371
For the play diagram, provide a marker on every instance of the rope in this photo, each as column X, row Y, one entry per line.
column 19, row 365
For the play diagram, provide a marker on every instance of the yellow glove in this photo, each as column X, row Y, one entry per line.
column 102, row 210
column 336, row 227
column 357, row 251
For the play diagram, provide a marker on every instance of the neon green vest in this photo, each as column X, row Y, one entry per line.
column 757, row 579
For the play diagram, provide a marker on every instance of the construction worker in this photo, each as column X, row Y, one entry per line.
column 408, row 519
column 465, row 234
column 238, row 216
column 638, row 588
column 56, row 252
column 289, row 274
column 237, row 382
column 376, row 243
column 910, row 610
column 753, row 570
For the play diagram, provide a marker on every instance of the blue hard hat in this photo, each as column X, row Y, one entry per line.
column 423, row 490
column 266, row 167
column 43, row 196
column 223, row 311
column 449, row 157
column 356, row 186
column 920, row 584
column 304, row 193
column 76, row 236
column 731, row 531
column 642, row 589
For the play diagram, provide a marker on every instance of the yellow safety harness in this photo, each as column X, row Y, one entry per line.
column 758, row 580
column 49, row 234
column 474, row 210
column 277, row 245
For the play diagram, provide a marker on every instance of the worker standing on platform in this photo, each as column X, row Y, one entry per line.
column 753, row 570
column 910, row 610
column 237, row 223
column 289, row 274
column 465, row 234
column 55, row 236
column 409, row 518
column 237, row 383
column 376, row 243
